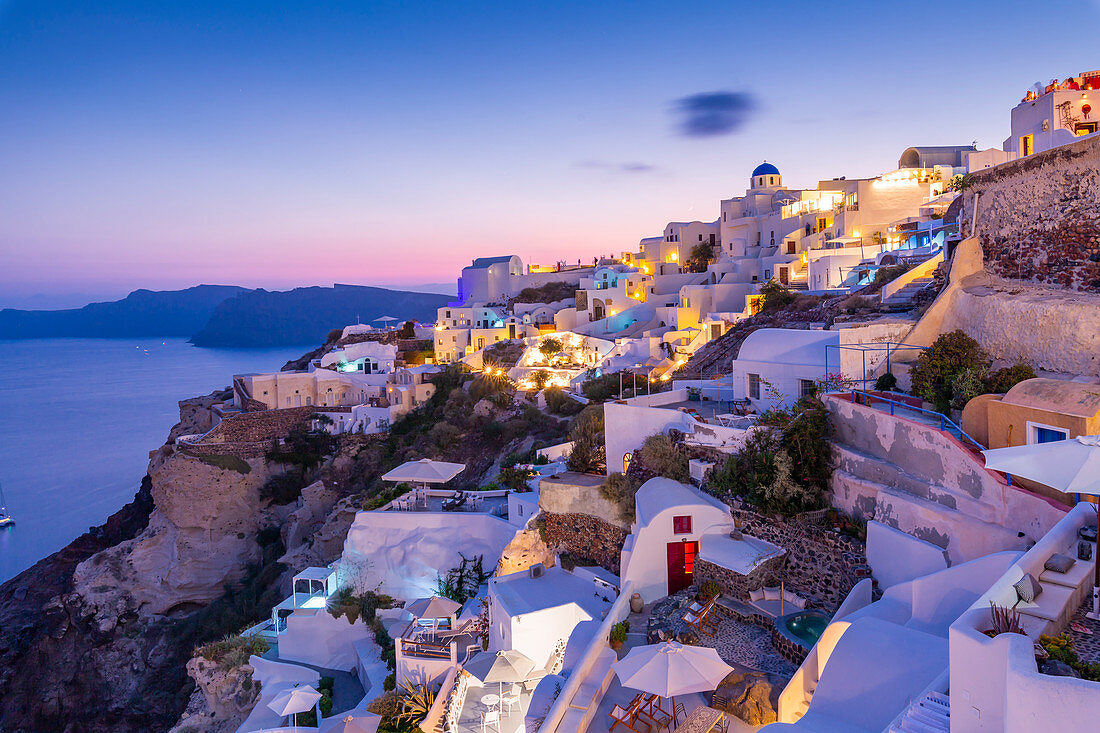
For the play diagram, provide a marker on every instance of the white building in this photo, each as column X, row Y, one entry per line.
column 535, row 610
column 675, row 525
column 1063, row 112
column 365, row 357
column 778, row 365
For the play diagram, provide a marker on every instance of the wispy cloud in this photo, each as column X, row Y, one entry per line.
column 629, row 167
column 710, row 114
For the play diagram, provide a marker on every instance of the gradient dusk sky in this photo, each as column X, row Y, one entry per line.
column 162, row 144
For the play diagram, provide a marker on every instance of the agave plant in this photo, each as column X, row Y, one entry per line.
column 416, row 701
column 1005, row 620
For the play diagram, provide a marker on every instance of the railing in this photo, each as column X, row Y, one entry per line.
column 425, row 649
column 946, row 425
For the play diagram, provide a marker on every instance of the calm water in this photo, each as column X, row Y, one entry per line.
column 78, row 418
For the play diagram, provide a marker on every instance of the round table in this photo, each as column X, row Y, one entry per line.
column 490, row 701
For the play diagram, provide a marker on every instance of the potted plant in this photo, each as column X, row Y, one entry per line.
column 617, row 637
column 708, row 591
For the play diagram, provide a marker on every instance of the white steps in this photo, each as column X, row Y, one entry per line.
column 930, row 714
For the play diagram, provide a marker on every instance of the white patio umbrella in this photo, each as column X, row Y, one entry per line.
column 504, row 666
column 670, row 669
column 294, row 700
column 353, row 721
column 387, row 319
column 1071, row 466
column 433, row 608
column 425, row 471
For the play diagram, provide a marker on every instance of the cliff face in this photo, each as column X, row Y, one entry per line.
column 96, row 637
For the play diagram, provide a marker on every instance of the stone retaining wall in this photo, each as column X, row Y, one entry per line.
column 585, row 536
column 1039, row 217
column 820, row 565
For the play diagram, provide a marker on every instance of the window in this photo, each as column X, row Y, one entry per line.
column 1026, row 145
column 1084, row 128
column 1037, row 433
column 806, row 387
column 790, row 248
column 681, row 525
column 754, row 386
column 700, row 237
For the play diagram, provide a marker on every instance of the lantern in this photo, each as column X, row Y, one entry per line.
column 1085, row 109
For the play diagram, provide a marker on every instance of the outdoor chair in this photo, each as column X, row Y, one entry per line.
column 490, row 717
column 510, row 698
column 678, row 712
column 624, row 718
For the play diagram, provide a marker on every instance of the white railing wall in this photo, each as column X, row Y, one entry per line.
column 619, row 610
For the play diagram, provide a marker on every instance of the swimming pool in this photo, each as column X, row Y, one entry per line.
column 795, row 634
column 807, row 625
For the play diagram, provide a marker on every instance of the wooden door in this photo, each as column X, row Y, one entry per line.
column 681, row 564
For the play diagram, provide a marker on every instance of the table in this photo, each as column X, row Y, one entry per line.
column 490, row 701
column 700, row 720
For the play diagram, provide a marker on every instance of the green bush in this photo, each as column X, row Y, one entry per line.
column 619, row 632
column 283, row 488
column 588, row 454
column 1002, row 380
column 786, row 463
column 560, row 403
column 550, row 346
column 621, row 489
column 886, row 382
column 701, row 255
column 776, row 297
column 708, row 591
column 461, row 582
column 515, row 478
column 934, row 374
column 599, row 389
column 233, row 650
column 968, row 384
column 660, row 455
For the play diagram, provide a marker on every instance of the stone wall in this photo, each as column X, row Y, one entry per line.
column 256, row 427
column 585, row 536
column 579, row 493
column 820, row 565
column 1039, row 217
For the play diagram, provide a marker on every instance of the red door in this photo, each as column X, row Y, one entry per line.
column 681, row 564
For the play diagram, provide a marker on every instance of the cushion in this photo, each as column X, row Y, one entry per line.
column 771, row 594
column 756, row 595
column 1059, row 563
column 1027, row 588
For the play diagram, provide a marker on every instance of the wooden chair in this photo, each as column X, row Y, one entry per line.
column 624, row 718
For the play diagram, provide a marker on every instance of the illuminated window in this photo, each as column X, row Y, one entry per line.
column 681, row 525
column 1084, row 128
column 1026, row 145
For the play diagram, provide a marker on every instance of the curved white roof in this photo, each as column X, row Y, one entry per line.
column 788, row 346
column 659, row 494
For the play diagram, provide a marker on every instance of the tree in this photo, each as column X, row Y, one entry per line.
column 961, row 182
column 550, row 346
column 540, row 377
column 407, row 330
column 660, row 455
column 589, row 455
column 934, row 374
column 776, row 297
column 700, row 257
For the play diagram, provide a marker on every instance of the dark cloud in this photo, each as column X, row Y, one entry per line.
column 713, row 113
column 633, row 167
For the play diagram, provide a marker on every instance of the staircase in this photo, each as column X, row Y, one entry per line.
column 903, row 299
column 929, row 714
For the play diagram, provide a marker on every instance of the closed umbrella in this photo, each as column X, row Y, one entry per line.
column 1071, row 466
column 504, row 666
column 353, row 721
column 670, row 669
column 294, row 700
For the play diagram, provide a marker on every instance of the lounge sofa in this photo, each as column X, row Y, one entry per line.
column 774, row 602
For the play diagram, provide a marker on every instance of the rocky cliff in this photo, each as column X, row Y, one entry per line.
column 96, row 637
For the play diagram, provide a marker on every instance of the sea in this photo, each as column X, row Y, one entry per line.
column 78, row 418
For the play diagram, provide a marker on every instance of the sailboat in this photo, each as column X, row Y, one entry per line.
column 5, row 518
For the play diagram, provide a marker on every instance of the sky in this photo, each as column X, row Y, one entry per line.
column 274, row 144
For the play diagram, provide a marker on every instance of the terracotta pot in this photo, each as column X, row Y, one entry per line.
column 616, row 645
column 636, row 603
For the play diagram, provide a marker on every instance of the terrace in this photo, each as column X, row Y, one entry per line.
column 494, row 503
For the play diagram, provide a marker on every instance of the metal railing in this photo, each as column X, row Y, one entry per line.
column 946, row 425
